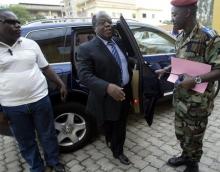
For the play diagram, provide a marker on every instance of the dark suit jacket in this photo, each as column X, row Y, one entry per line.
column 96, row 69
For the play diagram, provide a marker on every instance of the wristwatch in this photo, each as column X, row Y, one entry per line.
column 198, row 80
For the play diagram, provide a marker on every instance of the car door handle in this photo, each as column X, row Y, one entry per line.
column 148, row 64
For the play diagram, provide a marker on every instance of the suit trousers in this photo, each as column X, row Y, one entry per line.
column 115, row 131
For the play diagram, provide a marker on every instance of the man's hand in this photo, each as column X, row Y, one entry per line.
column 160, row 72
column 63, row 92
column 51, row 75
column 188, row 82
column 116, row 92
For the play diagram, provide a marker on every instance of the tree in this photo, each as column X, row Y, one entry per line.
column 22, row 13
column 205, row 12
column 38, row 17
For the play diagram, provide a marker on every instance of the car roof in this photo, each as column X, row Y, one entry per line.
column 74, row 22
column 38, row 25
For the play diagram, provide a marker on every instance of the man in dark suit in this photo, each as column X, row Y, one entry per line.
column 103, row 67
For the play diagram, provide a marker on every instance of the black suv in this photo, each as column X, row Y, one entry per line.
column 150, row 47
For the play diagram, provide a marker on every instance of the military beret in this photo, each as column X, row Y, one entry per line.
column 179, row 3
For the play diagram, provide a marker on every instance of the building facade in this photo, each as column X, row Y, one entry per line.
column 216, row 14
column 46, row 10
column 129, row 9
column 70, row 8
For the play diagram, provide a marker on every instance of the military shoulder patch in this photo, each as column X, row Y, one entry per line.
column 210, row 32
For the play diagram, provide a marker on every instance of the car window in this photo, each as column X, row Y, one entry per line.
column 52, row 43
column 82, row 37
column 152, row 41
column 67, row 47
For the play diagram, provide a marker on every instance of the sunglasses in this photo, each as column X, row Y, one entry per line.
column 10, row 21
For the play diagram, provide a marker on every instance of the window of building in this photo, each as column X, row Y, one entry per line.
column 144, row 15
column 153, row 16
column 133, row 16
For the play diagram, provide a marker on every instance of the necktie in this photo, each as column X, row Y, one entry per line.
column 115, row 54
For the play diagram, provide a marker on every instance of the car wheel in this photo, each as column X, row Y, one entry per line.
column 73, row 126
column 216, row 87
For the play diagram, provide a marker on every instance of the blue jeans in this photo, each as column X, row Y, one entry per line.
column 24, row 121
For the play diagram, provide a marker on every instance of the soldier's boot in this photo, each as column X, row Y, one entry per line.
column 178, row 161
column 192, row 166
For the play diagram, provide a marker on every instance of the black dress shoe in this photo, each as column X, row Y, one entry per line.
column 58, row 168
column 192, row 167
column 178, row 161
column 124, row 159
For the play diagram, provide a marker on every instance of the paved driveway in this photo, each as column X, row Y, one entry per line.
column 147, row 147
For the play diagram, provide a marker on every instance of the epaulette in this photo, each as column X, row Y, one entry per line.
column 210, row 32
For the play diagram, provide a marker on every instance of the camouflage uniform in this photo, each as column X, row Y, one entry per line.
column 192, row 108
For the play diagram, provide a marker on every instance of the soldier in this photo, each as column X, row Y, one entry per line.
column 196, row 43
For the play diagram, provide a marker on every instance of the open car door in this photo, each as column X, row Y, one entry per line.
column 145, row 83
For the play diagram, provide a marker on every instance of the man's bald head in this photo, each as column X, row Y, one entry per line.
column 5, row 12
column 99, row 17
column 9, row 27
column 102, row 24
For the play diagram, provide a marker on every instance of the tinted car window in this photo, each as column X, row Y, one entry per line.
column 152, row 41
column 52, row 43
column 67, row 47
column 82, row 37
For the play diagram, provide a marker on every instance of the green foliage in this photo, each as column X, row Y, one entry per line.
column 22, row 13
column 38, row 17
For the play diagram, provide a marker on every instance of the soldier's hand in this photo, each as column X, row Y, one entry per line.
column 160, row 72
column 116, row 92
column 188, row 82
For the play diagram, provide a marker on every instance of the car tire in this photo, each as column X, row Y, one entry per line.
column 217, row 87
column 73, row 126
